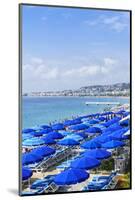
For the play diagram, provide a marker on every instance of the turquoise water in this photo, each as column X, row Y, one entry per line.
column 42, row 110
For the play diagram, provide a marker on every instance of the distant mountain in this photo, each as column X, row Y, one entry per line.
column 117, row 89
column 120, row 86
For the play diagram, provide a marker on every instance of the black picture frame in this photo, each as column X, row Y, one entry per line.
column 20, row 92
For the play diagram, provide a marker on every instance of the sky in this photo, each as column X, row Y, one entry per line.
column 68, row 48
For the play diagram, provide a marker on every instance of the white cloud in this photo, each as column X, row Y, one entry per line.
column 36, row 60
column 110, row 61
column 116, row 23
column 40, row 75
column 39, row 69
column 110, row 20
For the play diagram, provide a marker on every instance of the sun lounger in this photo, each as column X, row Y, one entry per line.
column 100, row 182
column 32, row 192
column 51, row 188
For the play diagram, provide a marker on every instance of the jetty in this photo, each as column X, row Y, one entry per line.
column 101, row 103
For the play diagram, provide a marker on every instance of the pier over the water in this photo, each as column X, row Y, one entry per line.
column 101, row 103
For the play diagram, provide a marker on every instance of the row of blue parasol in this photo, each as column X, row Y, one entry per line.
column 118, row 133
column 29, row 140
column 77, row 121
column 76, row 172
column 106, row 140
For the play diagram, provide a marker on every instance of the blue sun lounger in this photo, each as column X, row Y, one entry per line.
column 99, row 182
column 32, row 192
column 42, row 183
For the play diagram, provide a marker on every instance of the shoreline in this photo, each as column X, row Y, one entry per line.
column 121, row 97
column 125, row 106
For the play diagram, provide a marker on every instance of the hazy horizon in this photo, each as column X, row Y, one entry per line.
column 76, row 88
column 68, row 48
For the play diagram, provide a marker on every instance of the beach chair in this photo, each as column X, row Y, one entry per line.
column 40, row 184
column 52, row 188
column 33, row 192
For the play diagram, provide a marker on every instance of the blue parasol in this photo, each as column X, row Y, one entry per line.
column 82, row 134
column 27, row 130
column 113, row 144
column 48, row 140
column 72, row 122
column 79, row 127
column 44, row 131
column 43, row 151
column 26, row 173
column 30, row 158
column 58, row 126
column 33, row 142
column 85, row 163
column 93, row 121
column 93, row 130
column 91, row 145
column 54, row 135
column 68, row 142
column 98, row 153
column 71, row 176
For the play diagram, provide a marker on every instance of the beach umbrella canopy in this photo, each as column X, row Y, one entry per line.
column 68, row 142
column 43, row 151
column 82, row 134
column 85, row 163
column 100, row 126
column 48, row 140
column 85, row 119
column 65, row 133
column 113, row 144
column 112, row 128
column 93, row 121
column 124, row 122
column 119, row 135
column 45, row 126
column 27, row 130
column 36, row 134
column 26, row 136
column 112, row 121
column 91, row 145
column 44, row 131
column 102, row 118
column 75, row 137
column 98, row 153
column 103, row 138
column 71, row 176
column 30, row 158
column 93, row 130
column 79, row 127
column 54, row 135
column 58, row 126
column 72, row 122
column 105, row 133
column 33, row 142
column 26, row 173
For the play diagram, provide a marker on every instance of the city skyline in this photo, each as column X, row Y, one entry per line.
column 67, row 48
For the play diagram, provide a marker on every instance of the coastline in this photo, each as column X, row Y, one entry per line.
column 121, row 97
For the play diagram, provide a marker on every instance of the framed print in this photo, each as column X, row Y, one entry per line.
column 75, row 99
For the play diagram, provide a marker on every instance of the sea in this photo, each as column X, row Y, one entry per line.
column 45, row 110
